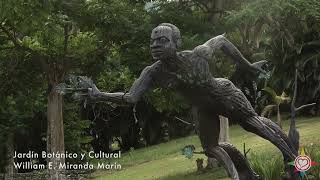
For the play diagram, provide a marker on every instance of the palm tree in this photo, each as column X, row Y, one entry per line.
column 277, row 100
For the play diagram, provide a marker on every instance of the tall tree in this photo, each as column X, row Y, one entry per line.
column 74, row 36
column 46, row 34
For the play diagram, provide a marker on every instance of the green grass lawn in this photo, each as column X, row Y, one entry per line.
column 165, row 161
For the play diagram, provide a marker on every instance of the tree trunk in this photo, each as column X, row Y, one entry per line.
column 10, row 153
column 217, row 10
column 55, row 133
column 223, row 137
column 195, row 117
column 293, row 135
column 279, row 116
column 224, row 129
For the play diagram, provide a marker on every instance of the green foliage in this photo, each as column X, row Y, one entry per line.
column 83, row 43
column 3, row 150
column 77, row 137
column 252, row 11
column 32, row 44
column 167, row 101
column 310, row 8
column 283, row 98
column 39, row 38
column 313, row 151
column 115, row 80
column 277, row 100
column 286, row 33
column 21, row 97
column 269, row 168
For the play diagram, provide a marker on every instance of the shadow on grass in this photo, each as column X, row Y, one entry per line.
column 216, row 173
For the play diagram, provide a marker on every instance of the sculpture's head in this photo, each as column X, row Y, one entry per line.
column 164, row 42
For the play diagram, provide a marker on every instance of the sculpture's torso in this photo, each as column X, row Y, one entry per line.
column 190, row 75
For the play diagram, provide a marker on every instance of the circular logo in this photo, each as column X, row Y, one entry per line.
column 302, row 163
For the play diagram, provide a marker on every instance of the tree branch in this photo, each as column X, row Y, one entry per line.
column 304, row 106
column 18, row 44
column 295, row 88
column 188, row 123
column 14, row 40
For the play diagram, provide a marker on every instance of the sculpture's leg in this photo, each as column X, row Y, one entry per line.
column 290, row 174
column 279, row 131
column 243, row 167
column 257, row 125
column 209, row 127
column 237, row 107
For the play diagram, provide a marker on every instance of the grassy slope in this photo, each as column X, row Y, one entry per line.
column 164, row 161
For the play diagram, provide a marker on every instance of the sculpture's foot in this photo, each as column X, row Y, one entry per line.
column 212, row 163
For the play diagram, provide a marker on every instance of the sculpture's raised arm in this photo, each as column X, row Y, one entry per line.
column 138, row 88
column 221, row 42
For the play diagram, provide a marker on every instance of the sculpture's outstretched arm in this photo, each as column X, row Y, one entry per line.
column 139, row 87
column 221, row 42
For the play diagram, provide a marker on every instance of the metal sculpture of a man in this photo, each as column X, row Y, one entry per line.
column 188, row 73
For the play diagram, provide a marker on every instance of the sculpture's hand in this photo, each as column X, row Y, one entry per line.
column 94, row 92
column 257, row 66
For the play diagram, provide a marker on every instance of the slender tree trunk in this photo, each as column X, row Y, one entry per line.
column 279, row 116
column 195, row 117
column 224, row 129
column 10, row 153
column 294, row 135
column 217, row 10
column 55, row 133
